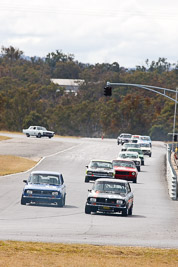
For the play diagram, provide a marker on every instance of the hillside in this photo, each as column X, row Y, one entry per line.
column 27, row 96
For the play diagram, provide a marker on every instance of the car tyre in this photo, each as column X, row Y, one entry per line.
column 39, row 135
column 86, row 180
column 27, row 135
column 23, row 201
column 61, row 202
column 143, row 163
column 135, row 181
column 130, row 210
column 125, row 212
column 150, row 155
column 138, row 168
column 64, row 201
column 87, row 209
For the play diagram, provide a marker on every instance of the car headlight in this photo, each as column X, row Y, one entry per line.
column 29, row 192
column 54, row 193
column 133, row 173
column 92, row 199
column 89, row 172
column 118, row 201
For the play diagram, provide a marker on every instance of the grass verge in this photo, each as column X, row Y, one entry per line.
column 2, row 138
column 13, row 164
column 19, row 254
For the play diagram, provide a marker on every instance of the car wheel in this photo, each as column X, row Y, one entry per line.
column 87, row 209
column 138, row 168
column 143, row 163
column 39, row 135
column 23, row 201
column 86, row 180
column 150, row 155
column 64, row 201
column 130, row 210
column 125, row 212
column 135, row 181
column 27, row 135
column 60, row 202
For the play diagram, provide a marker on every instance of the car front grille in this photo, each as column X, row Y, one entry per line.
column 101, row 174
column 122, row 173
column 105, row 201
column 41, row 192
column 47, row 134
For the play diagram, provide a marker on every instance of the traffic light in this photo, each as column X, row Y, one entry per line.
column 107, row 91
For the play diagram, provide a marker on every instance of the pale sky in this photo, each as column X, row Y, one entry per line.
column 95, row 31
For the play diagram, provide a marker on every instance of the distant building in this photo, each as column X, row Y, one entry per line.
column 70, row 85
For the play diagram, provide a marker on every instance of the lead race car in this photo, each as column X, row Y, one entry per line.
column 110, row 196
column 38, row 131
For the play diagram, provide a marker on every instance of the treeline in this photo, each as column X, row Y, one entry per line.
column 27, row 96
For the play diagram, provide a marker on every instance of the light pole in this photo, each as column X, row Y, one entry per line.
column 159, row 90
column 174, row 124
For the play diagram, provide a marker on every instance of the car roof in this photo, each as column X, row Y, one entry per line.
column 126, row 152
column 121, row 159
column 135, row 136
column 111, row 180
column 46, row 172
column 101, row 160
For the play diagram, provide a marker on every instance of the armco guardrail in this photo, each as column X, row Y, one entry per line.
column 171, row 176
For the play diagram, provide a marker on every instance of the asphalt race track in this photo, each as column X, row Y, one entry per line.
column 155, row 215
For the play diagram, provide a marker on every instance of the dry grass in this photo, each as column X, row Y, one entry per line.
column 19, row 254
column 2, row 138
column 12, row 164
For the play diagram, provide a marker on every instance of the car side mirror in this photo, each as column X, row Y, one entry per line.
column 25, row 181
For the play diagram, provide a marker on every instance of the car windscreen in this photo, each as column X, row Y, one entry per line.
column 100, row 164
column 129, row 155
column 139, row 151
column 44, row 179
column 145, row 145
column 145, row 138
column 110, row 187
column 126, row 136
column 121, row 163
column 127, row 145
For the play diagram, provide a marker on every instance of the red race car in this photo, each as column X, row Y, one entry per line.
column 125, row 169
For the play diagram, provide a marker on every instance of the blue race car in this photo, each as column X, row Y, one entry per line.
column 44, row 187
